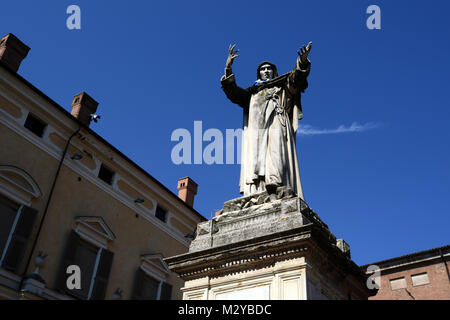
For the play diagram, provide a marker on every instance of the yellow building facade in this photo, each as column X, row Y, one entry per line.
column 69, row 199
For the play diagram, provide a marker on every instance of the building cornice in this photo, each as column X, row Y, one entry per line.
column 411, row 259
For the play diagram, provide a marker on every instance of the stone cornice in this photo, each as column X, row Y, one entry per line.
column 309, row 240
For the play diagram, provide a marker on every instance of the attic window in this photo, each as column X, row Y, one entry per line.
column 161, row 213
column 35, row 125
column 106, row 174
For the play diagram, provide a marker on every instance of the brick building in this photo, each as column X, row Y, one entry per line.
column 419, row 276
column 70, row 198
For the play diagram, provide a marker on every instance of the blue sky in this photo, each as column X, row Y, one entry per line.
column 374, row 153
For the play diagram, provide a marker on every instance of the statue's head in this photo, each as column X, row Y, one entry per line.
column 266, row 71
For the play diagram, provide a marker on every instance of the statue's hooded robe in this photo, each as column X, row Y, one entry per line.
column 271, row 112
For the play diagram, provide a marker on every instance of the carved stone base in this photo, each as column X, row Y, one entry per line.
column 268, row 250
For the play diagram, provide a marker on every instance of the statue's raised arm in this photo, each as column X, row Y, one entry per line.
column 236, row 94
column 303, row 53
column 232, row 54
column 297, row 80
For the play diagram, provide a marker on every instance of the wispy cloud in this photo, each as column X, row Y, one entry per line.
column 309, row 130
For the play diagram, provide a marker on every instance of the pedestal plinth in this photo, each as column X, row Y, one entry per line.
column 279, row 250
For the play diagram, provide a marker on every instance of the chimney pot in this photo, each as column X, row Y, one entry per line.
column 83, row 106
column 187, row 189
column 12, row 51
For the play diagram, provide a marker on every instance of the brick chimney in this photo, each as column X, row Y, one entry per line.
column 187, row 189
column 83, row 106
column 12, row 51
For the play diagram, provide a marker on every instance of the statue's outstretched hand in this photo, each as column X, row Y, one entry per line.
column 232, row 54
column 303, row 53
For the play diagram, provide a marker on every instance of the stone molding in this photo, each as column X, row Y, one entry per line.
column 154, row 266
column 94, row 230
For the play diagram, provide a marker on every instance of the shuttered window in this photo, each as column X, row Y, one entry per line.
column 166, row 291
column 85, row 257
column 95, row 265
column 16, row 226
column 8, row 212
column 148, row 288
column 102, row 275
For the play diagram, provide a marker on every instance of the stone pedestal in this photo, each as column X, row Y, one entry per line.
column 277, row 250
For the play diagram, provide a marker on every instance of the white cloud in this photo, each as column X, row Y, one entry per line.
column 309, row 130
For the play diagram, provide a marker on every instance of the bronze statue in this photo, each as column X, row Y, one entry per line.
column 272, row 108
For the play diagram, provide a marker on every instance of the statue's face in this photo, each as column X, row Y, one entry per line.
column 266, row 72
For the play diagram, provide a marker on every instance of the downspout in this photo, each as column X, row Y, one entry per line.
column 46, row 208
column 445, row 263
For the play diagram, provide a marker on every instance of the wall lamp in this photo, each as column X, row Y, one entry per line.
column 139, row 200
column 77, row 156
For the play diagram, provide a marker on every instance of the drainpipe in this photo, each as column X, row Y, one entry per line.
column 445, row 263
column 46, row 208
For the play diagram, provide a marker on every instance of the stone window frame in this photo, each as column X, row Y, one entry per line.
column 99, row 238
column 420, row 274
column 21, row 192
column 158, row 270
column 395, row 279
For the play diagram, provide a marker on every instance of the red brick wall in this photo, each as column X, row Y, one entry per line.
column 437, row 289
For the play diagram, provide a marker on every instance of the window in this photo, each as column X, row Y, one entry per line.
column 150, row 281
column 161, row 213
column 35, row 125
column 148, row 288
column 16, row 225
column 399, row 283
column 8, row 211
column 95, row 266
column 106, row 174
column 420, row 279
column 85, row 256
